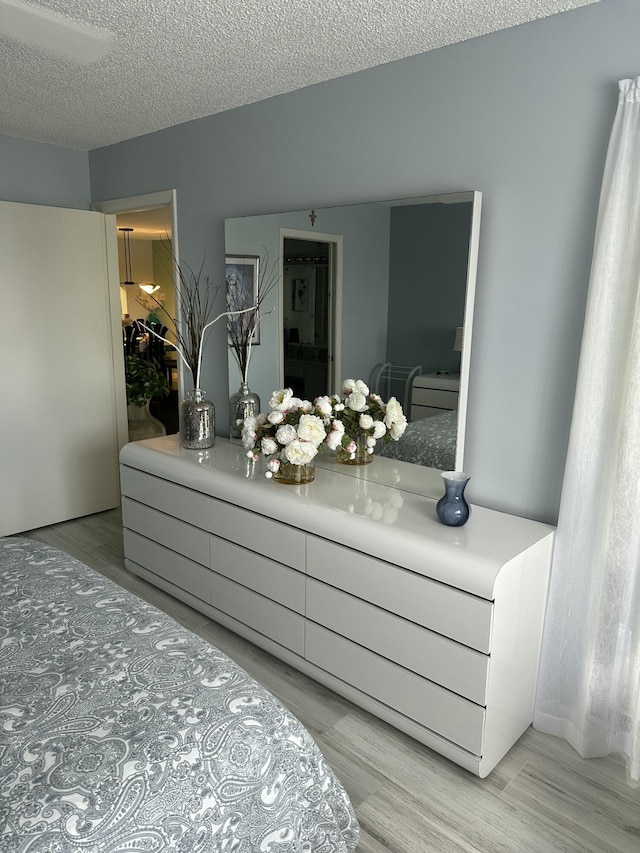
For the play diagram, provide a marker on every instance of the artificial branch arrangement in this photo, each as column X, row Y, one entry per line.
column 242, row 323
column 195, row 302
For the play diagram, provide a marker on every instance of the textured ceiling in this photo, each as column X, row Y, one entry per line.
column 124, row 69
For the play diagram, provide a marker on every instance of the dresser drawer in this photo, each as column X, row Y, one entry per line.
column 420, row 700
column 434, row 397
column 170, row 498
column 441, row 608
column 430, row 655
column 269, row 538
column 190, row 541
column 259, row 613
column 167, row 564
column 271, row 579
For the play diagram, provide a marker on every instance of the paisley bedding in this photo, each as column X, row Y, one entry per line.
column 122, row 731
column 430, row 441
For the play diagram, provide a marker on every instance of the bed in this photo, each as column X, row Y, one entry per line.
column 120, row 730
column 429, row 441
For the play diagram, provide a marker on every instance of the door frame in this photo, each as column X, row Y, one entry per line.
column 335, row 242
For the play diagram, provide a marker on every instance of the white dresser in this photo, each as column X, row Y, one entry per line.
column 433, row 392
column 434, row 629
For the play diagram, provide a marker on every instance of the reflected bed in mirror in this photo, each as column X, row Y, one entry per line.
column 378, row 291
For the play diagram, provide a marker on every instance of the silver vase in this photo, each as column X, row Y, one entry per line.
column 243, row 404
column 197, row 421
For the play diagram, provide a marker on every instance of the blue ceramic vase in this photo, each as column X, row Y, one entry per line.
column 452, row 509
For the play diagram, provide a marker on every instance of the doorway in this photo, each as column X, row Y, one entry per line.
column 309, row 321
column 148, row 300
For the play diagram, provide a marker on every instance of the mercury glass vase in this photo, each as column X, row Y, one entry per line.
column 452, row 509
column 294, row 475
column 243, row 404
column 361, row 455
column 197, row 421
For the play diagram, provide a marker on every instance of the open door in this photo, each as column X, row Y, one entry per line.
column 63, row 411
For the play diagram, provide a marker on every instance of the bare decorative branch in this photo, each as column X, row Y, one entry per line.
column 241, row 330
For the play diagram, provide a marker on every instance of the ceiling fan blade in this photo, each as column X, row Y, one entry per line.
column 53, row 33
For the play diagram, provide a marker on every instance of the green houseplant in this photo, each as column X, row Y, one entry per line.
column 144, row 380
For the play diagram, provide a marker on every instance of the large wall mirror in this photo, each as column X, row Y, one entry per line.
column 381, row 291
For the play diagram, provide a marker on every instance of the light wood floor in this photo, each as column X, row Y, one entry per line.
column 541, row 798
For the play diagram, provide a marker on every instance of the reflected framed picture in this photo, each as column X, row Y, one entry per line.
column 300, row 294
column 242, row 276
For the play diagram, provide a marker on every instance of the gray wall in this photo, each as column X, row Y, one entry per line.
column 522, row 115
column 35, row 173
column 428, row 264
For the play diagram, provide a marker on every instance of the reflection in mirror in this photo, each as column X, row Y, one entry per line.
column 382, row 291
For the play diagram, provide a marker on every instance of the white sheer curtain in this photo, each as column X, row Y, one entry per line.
column 589, row 683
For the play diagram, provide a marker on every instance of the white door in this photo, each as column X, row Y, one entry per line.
column 63, row 403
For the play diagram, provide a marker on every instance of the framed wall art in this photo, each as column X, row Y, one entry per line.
column 242, row 277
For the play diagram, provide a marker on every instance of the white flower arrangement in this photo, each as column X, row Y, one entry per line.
column 360, row 414
column 292, row 431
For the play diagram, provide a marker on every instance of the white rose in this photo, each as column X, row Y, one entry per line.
column 248, row 437
column 311, row 429
column 295, row 403
column 333, row 440
column 275, row 417
column 356, row 401
column 398, row 428
column 371, row 443
column 365, row 422
column 268, row 446
column 300, row 452
column 324, row 406
column 251, row 423
column 306, row 406
column 273, row 466
column 379, row 429
column 361, row 387
column 286, row 433
column 281, row 400
column 393, row 413
column 348, row 386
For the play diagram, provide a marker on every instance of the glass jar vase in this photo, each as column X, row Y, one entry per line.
column 360, row 456
column 292, row 474
column 197, row 421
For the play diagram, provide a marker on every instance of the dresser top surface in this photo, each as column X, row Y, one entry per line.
column 354, row 509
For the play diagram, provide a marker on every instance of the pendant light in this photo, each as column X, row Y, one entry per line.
column 128, row 274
